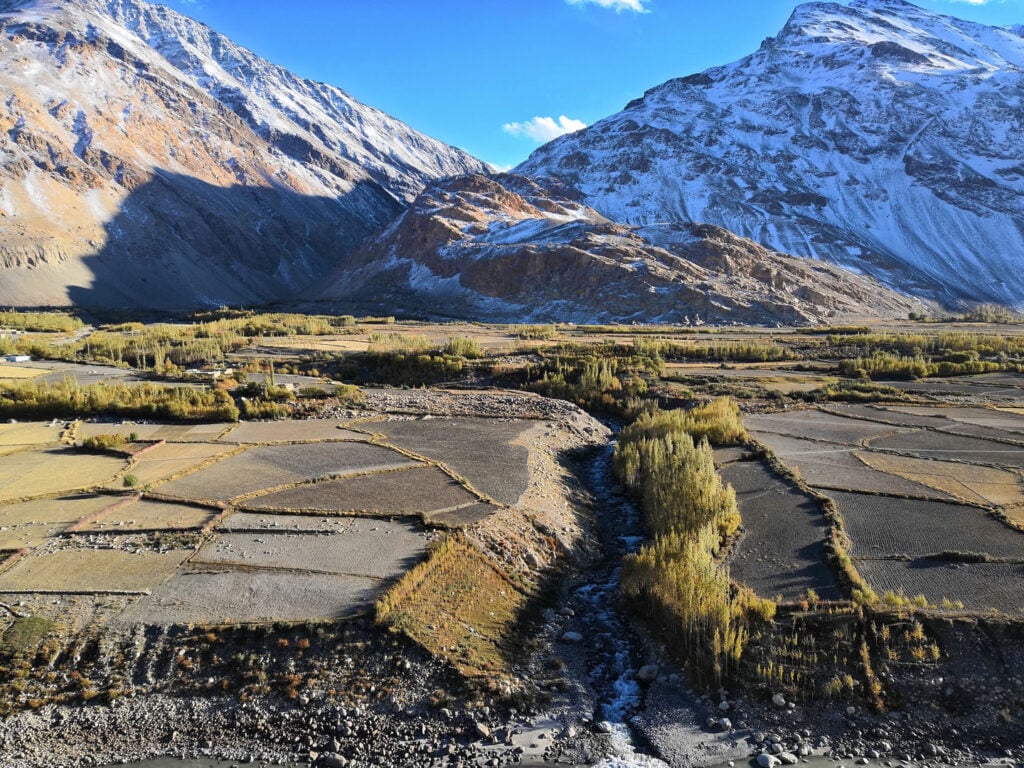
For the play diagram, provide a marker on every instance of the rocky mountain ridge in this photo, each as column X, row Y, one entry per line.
column 878, row 136
column 150, row 162
column 507, row 249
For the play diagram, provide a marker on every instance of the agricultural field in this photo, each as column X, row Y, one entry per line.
column 252, row 522
column 172, row 433
column 144, row 515
column 931, row 444
column 77, row 570
column 978, row 485
column 416, row 491
column 980, row 587
column 491, row 455
column 168, row 460
column 781, row 552
column 290, row 431
column 22, row 434
column 264, row 467
column 928, row 494
column 378, row 549
column 886, row 527
column 212, row 597
column 51, row 471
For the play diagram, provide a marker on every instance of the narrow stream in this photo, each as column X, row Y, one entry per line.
column 612, row 656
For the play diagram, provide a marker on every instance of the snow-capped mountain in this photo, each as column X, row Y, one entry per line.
column 149, row 161
column 879, row 136
column 508, row 249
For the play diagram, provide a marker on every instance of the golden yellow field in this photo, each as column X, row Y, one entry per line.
column 151, row 516
column 20, row 372
column 29, row 433
column 171, row 459
column 54, row 470
column 979, row 485
column 290, row 431
column 69, row 509
column 89, row 570
column 180, row 433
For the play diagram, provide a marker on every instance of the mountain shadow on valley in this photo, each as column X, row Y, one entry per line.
column 179, row 243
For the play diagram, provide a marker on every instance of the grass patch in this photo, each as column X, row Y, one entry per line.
column 460, row 607
column 25, row 634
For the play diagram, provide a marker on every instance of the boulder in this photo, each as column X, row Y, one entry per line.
column 647, row 673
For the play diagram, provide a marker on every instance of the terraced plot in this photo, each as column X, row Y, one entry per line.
column 782, row 549
column 249, row 522
column 461, row 517
column 486, row 452
column 30, row 433
column 77, row 570
column 900, row 417
column 818, row 425
column 416, row 491
column 936, row 445
column 880, row 526
column 979, row 586
column 170, row 459
column 979, row 485
column 377, row 549
column 228, row 596
column 150, row 516
column 984, row 417
column 172, row 433
column 265, row 467
column 54, row 470
column 60, row 511
column 832, row 466
column 290, row 431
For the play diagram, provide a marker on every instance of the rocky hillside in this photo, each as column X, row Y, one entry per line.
column 878, row 136
column 148, row 161
column 508, row 249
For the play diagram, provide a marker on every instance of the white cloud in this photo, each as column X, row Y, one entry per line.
column 636, row 6
column 544, row 129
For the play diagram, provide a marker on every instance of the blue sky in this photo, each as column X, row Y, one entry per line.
column 476, row 73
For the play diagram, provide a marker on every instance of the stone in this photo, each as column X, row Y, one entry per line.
column 603, row 727
column 572, row 637
column 764, row 760
column 647, row 673
column 779, row 700
column 482, row 731
column 332, row 760
column 788, row 758
column 725, row 724
column 724, row 706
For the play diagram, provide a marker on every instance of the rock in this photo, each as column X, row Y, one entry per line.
column 788, row 758
column 603, row 727
column 779, row 700
column 647, row 673
column 332, row 760
column 777, row 748
column 482, row 731
column 724, row 706
column 851, row 711
column 725, row 724
column 764, row 760
column 572, row 637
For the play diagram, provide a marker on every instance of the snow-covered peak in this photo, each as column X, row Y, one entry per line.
column 276, row 102
column 897, row 33
column 879, row 135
